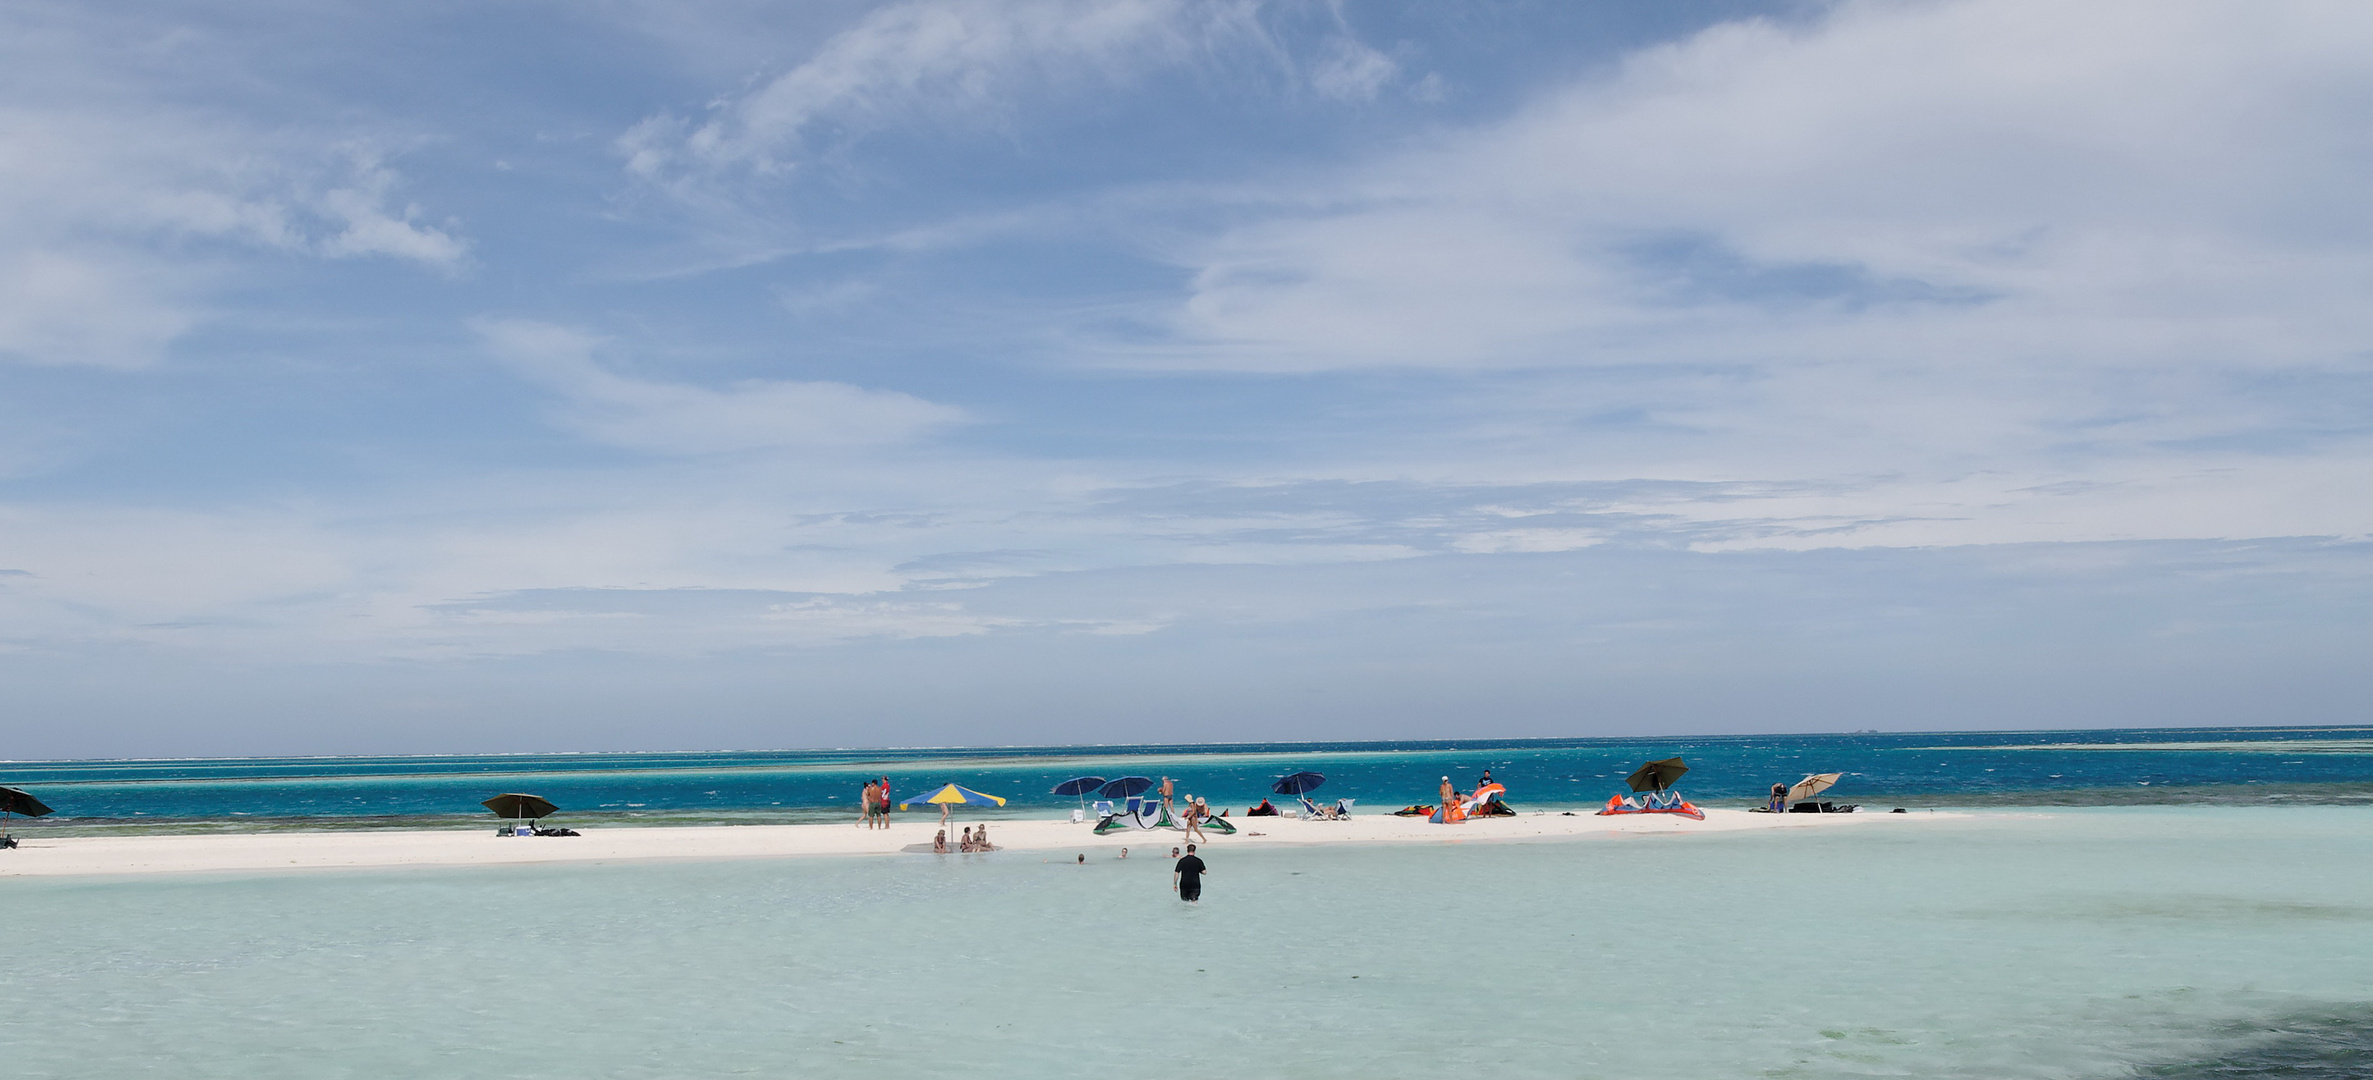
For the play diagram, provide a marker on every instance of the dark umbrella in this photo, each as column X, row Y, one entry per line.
column 1301, row 783
column 514, row 805
column 1127, row 786
column 19, row 801
column 1656, row 775
column 1080, row 787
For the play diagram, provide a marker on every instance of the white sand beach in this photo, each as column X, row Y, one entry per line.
column 280, row 851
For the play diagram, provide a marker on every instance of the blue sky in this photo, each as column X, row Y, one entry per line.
column 525, row 376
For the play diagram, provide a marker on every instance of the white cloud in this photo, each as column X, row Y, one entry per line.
column 367, row 225
column 125, row 203
column 1351, row 71
column 1962, row 182
column 930, row 58
column 88, row 307
column 678, row 418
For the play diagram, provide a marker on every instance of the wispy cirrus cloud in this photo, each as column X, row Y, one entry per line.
column 678, row 418
column 123, row 207
column 931, row 61
column 1944, row 183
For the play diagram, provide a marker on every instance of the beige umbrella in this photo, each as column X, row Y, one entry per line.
column 1812, row 785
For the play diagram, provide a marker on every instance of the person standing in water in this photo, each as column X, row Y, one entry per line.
column 1186, row 878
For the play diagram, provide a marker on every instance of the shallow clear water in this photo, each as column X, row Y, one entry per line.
column 2176, row 942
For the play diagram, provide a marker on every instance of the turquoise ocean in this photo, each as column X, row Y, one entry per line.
column 2241, row 766
column 2055, row 916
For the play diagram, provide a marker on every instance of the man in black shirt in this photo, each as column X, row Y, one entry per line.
column 1187, row 877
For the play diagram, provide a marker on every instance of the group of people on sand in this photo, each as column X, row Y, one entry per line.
column 874, row 804
column 975, row 838
column 1192, row 812
column 1452, row 796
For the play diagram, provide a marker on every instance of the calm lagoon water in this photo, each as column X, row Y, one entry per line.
column 2095, row 942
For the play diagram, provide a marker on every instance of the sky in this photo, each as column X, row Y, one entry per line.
column 525, row 375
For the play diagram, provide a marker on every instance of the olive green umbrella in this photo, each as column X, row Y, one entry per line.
column 514, row 805
column 20, row 802
column 1656, row 775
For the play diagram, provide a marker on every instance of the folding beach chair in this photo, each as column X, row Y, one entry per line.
column 1337, row 812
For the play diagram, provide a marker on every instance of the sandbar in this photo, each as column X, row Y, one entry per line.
column 387, row 849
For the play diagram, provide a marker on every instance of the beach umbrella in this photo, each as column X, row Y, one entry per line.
column 20, row 802
column 513, row 805
column 1656, row 775
column 1127, row 786
column 1301, row 783
column 955, row 795
column 951, row 796
column 1812, row 785
column 1080, row 786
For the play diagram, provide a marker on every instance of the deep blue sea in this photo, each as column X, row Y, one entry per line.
column 2096, row 767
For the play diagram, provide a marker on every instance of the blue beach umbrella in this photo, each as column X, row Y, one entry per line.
column 1301, row 783
column 1127, row 786
column 1080, row 787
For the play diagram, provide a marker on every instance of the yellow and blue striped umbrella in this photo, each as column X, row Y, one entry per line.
column 954, row 795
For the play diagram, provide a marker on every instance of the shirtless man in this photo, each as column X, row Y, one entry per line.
column 1194, row 820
